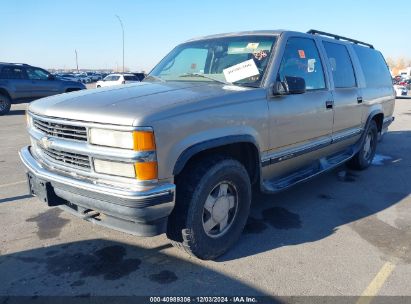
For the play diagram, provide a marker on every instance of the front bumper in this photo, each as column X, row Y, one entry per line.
column 142, row 213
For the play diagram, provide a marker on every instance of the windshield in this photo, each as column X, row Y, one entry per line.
column 238, row 60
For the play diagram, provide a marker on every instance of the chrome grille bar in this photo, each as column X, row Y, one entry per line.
column 76, row 160
column 61, row 130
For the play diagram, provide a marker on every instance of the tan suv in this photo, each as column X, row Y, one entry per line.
column 179, row 152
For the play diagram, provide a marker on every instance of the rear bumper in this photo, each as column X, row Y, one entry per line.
column 142, row 213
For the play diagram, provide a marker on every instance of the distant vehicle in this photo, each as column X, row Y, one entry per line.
column 94, row 76
column 22, row 82
column 117, row 79
column 70, row 77
column 405, row 73
column 400, row 90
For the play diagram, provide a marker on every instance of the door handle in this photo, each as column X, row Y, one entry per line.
column 329, row 104
column 359, row 100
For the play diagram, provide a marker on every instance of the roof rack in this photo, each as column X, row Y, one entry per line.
column 315, row 32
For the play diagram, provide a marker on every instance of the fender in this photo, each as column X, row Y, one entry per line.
column 6, row 91
column 371, row 115
column 209, row 144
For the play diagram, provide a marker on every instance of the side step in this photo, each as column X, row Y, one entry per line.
column 318, row 167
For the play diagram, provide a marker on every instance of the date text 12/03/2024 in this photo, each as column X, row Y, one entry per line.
column 236, row 299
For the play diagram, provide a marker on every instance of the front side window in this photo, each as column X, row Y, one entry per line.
column 112, row 78
column 37, row 74
column 301, row 59
column 341, row 65
column 239, row 60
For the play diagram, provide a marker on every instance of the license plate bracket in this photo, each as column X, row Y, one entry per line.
column 43, row 190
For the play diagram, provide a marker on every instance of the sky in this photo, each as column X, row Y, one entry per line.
column 46, row 33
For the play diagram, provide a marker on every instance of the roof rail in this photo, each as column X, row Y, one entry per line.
column 15, row 63
column 315, row 32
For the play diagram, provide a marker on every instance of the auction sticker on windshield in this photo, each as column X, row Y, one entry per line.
column 241, row 71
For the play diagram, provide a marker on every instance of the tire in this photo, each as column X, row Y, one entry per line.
column 5, row 104
column 98, row 86
column 362, row 160
column 188, row 225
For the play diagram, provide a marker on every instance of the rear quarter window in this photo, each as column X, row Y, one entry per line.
column 374, row 67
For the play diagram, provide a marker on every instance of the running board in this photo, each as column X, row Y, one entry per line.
column 320, row 166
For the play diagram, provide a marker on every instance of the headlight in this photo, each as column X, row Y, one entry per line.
column 140, row 141
column 136, row 140
column 119, row 139
column 114, row 168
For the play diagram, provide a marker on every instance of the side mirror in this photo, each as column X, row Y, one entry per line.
column 51, row 77
column 291, row 85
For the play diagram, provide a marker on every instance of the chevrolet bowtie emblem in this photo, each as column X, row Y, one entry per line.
column 46, row 142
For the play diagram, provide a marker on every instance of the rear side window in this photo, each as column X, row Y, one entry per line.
column 131, row 78
column 301, row 59
column 341, row 65
column 373, row 65
column 12, row 73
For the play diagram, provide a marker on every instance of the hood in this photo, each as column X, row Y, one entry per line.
column 126, row 104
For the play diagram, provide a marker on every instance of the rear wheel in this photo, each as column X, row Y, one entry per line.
column 5, row 104
column 365, row 155
column 212, row 206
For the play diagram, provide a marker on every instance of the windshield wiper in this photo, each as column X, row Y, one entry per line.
column 247, row 84
column 154, row 77
column 203, row 76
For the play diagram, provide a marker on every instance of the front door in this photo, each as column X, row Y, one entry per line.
column 301, row 124
column 42, row 85
column 302, row 119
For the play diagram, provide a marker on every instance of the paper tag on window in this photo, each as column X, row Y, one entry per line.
column 252, row 45
column 301, row 53
column 240, row 71
column 311, row 65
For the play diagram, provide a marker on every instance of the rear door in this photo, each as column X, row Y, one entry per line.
column 348, row 107
column 16, row 81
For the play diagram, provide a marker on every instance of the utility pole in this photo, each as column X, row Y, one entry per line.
column 122, row 28
column 76, row 60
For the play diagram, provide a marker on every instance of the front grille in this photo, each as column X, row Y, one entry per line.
column 75, row 160
column 61, row 130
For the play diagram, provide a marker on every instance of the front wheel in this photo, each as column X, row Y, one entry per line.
column 365, row 155
column 212, row 206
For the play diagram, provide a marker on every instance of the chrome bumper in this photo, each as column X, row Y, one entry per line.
column 33, row 166
column 138, row 212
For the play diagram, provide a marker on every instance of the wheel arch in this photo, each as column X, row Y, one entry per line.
column 243, row 148
column 5, row 92
column 378, row 116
